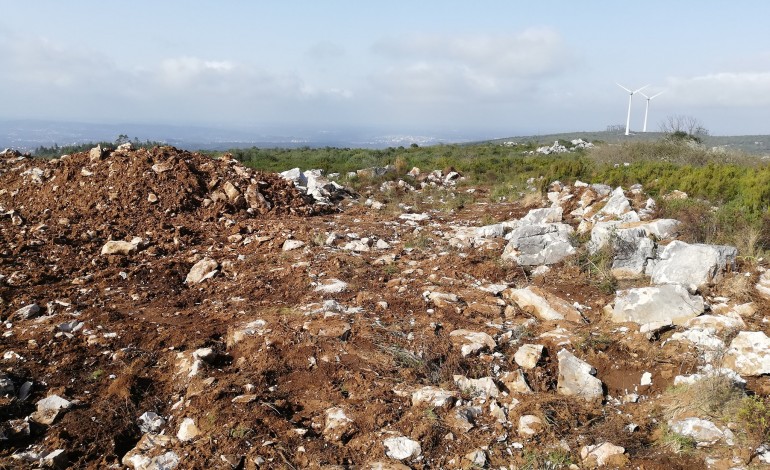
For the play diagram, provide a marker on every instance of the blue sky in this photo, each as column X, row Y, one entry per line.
column 495, row 68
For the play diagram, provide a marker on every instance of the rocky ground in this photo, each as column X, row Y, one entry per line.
column 165, row 310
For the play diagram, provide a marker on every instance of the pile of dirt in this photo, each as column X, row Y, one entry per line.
column 68, row 208
column 156, row 186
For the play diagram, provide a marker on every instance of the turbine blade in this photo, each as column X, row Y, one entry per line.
column 657, row 94
column 621, row 86
column 640, row 89
column 645, row 95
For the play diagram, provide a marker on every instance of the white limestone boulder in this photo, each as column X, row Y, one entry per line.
column 528, row 355
column 694, row 266
column 543, row 304
column 534, row 245
column 202, row 270
column 664, row 304
column 433, row 397
column 749, row 354
column 401, row 448
column 632, row 250
column 576, row 378
column 617, row 204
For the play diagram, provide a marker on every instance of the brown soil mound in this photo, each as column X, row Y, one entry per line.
column 156, row 186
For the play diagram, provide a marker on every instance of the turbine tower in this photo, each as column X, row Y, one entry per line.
column 647, row 108
column 630, row 95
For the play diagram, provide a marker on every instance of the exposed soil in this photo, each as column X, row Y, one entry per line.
column 142, row 321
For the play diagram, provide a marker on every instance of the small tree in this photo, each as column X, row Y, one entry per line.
column 683, row 127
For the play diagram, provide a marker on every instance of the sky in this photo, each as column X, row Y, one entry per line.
column 494, row 68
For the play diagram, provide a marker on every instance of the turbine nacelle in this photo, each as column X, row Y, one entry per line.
column 635, row 91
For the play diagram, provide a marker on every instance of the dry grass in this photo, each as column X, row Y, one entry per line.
column 716, row 397
column 531, row 200
column 737, row 287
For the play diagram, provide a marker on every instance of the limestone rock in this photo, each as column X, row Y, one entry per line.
column 602, row 453
column 151, row 422
column 530, row 426
column 442, row 298
column 96, row 153
column 202, row 270
column 717, row 323
column 661, row 229
column 296, row 176
column 632, row 250
column 576, row 378
column 484, row 387
column 163, row 167
column 414, row 217
column 528, row 355
column 462, row 418
column 617, row 204
column 763, row 286
column 337, row 424
column 359, row 246
column 547, row 215
column 515, row 382
column 292, row 244
column 331, row 286
column 148, row 454
column 49, row 408
column 476, row 458
column 231, row 191
column 534, row 245
column 694, row 266
column 668, row 303
column 472, row 341
column 187, row 430
column 749, row 354
column 543, row 304
column 253, row 328
column 433, row 397
column 704, row 432
column 26, row 312
column 401, row 448
column 119, row 247
column 490, row 231
column 601, row 235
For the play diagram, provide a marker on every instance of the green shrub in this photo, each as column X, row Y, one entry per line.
column 755, row 415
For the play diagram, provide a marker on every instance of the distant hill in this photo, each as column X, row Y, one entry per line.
column 753, row 144
column 26, row 135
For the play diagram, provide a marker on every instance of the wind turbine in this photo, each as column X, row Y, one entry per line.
column 647, row 108
column 630, row 95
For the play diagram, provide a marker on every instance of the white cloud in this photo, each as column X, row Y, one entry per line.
column 726, row 89
column 458, row 68
column 45, row 78
column 41, row 62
